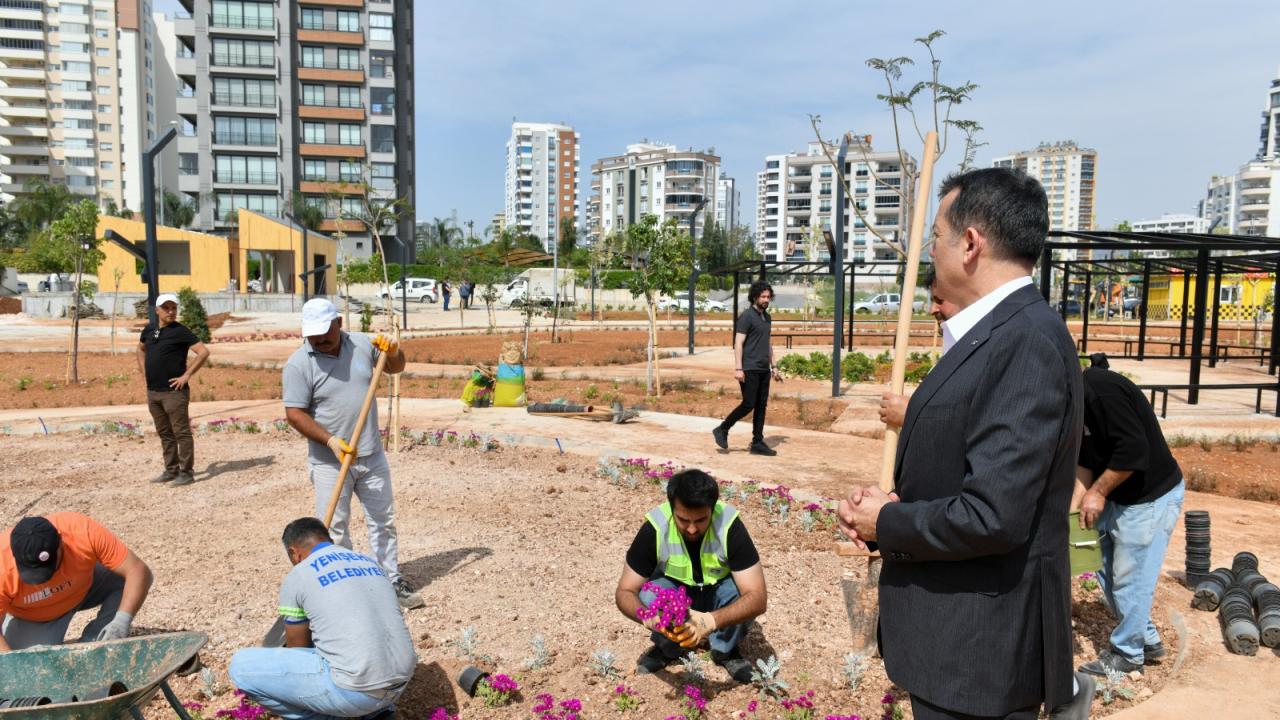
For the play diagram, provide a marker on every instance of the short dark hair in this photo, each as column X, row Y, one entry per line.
column 929, row 277
column 1008, row 206
column 302, row 529
column 1099, row 360
column 757, row 289
column 693, row 488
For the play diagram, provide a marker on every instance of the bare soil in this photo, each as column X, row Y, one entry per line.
column 515, row 543
column 10, row 306
column 577, row 348
column 1239, row 468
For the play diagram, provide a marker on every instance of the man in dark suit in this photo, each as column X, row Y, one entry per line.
column 975, row 601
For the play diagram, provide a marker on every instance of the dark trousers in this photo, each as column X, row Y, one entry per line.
column 755, row 397
column 921, row 710
column 169, row 411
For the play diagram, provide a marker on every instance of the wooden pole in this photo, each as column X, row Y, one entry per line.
column 919, row 212
column 369, row 397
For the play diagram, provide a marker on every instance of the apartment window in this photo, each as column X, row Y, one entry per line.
column 101, row 14
column 312, row 19
column 381, row 63
column 244, row 131
column 102, row 33
column 349, row 171
column 382, row 101
column 228, row 203
column 348, row 21
column 102, row 52
column 382, row 138
column 106, row 147
column 251, row 170
column 72, row 28
column 312, row 57
column 243, row 91
column 314, row 170
column 351, row 207
column 348, row 59
column 73, row 66
column 381, row 27
column 313, row 95
column 313, row 133
column 349, row 97
column 72, row 9
column 382, row 176
column 68, row 46
column 103, row 70
column 237, row 14
column 349, row 134
column 80, row 162
column 188, row 164
column 77, row 124
column 243, row 53
column 104, row 127
column 81, row 144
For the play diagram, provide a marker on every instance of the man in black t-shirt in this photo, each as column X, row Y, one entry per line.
column 697, row 542
column 753, row 368
column 1130, row 488
column 162, row 360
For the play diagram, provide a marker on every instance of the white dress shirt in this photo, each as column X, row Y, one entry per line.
column 961, row 323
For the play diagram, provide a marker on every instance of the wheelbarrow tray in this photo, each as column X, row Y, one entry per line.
column 84, row 669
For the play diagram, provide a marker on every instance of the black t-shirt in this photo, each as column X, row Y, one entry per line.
column 166, row 353
column 755, row 348
column 642, row 556
column 1122, row 433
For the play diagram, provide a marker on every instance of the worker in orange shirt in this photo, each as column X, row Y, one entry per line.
column 55, row 566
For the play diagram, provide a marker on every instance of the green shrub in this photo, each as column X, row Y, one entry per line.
column 366, row 318
column 192, row 313
column 856, row 367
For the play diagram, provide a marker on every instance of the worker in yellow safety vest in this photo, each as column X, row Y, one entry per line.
column 696, row 542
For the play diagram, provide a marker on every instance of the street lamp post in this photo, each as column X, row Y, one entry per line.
column 836, row 249
column 693, row 270
column 149, row 217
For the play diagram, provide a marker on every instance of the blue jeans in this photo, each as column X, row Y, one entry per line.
column 1134, row 539
column 294, row 683
column 713, row 597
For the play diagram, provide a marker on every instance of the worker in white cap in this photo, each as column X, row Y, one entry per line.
column 162, row 354
column 325, row 382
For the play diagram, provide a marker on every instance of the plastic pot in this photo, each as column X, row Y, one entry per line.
column 469, row 679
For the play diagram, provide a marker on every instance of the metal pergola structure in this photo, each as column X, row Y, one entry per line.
column 1199, row 256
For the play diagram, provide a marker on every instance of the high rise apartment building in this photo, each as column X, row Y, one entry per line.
column 1220, row 204
column 1068, row 173
column 61, row 83
column 542, row 179
column 795, row 196
column 1269, row 146
column 651, row 179
column 728, row 202
column 1248, row 203
column 310, row 99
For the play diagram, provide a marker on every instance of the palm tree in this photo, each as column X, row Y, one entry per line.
column 307, row 215
column 178, row 213
column 41, row 203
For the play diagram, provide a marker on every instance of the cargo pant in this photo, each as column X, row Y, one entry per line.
column 370, row 479
column 173, row 426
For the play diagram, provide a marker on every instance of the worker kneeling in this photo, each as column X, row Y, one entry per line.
column 55, row 566
column 347, row 650
column 697, row 542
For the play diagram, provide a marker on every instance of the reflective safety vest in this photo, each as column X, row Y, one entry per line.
column 673, row 555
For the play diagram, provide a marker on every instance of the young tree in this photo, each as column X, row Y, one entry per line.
column 73, row 237
column 178, row 213
column 116, row 275
column 309, row 215
column 663, row 255
column 568, row 239
column 489, row 279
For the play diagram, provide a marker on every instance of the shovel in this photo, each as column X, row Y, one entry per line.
column 275, row 636
column 861, row 590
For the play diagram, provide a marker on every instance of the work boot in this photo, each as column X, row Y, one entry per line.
column 1153, row 654
column 733, row 663
column 722, row 438
column 183, row 479
column 1109, row 660
column 1078, row 707
column 653, row 660
column 407, row 597
column 759, row 448
column 164, row 477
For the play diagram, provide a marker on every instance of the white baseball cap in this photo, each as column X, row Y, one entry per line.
column 317, row 315
column 163, row 298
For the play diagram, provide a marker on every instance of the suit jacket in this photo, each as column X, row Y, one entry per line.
column 975, row 595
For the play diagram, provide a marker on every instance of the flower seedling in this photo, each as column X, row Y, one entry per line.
column 1113, row 686
column 441, row 714
column 602, row 663
column 694, row 704
column 892, row 710
column 766, row 675
column 1088, row 581
column 625, row 699
column 854, row 665
column 548, row 709
column 497, row 690
column 693, row 669
column 800, row 708
column 541, row 655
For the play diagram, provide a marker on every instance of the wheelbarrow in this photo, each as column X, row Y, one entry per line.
column 94, row 681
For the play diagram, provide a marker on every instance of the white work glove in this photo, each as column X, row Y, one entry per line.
column 699, row 625
column 118, row 627
column 339, row 447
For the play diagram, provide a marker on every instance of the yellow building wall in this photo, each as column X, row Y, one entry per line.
column 1164, row 301
column 208, row 255
column 259, row 233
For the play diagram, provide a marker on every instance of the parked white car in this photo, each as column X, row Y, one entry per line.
column 885, row 303
column 419, row 289
column 704, row 304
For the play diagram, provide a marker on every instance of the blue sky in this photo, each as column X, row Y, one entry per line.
column 1168, row 92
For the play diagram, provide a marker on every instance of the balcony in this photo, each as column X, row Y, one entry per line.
column 184, row 66
column 331, row 150
column 249, row 142
column 24, row 73
column 24, row 151
column 184, row 26
column 330, row 33
column 240, row 103
column 262, row 67
column 255, row 179
column 25, row 92
column 331, row 111
column 13, row 131
column 335, row 225
column 351, row 186
column 337, row 3
column 331, row 72
column 189, row 184
column 23, row 111
column 242, row 26
column 186, row 105
column 15, row 169
column 1256, row 190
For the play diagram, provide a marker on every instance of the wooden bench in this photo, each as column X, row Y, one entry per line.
column 1259, row 387
column 844, row 338
column 1243, row 352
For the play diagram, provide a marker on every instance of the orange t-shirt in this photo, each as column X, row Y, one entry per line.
column 85, row 543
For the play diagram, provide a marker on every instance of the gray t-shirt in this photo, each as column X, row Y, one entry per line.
column 355, row 618
column 331, row 390
column 755, row 348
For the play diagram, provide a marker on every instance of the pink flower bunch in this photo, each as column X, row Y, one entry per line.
column 695, row 705
column 503, row 683
column 624, row 698
column 843, row 717
column 891, row 709
column 246, row 710
column 442, row 714
column 749, row 713
column 804, row 702
column 781, row 492
column 548, row 709
column 496, row 690
column 661, row 472
column 670, row 606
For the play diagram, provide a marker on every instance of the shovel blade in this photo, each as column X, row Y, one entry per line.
column 861, row 590
column 275, row 636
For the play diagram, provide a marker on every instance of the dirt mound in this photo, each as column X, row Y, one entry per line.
column 10, row 306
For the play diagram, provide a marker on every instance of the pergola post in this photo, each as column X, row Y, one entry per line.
column 763, row 270
column 1066, row 283
column 1046, row 272
column 1186, row 296
column 1197, row 331
column 1275, row 323
column 1217, row 309
column 735, row 307
column 853, row 278
column 1084, row 312
column 1142, row 310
